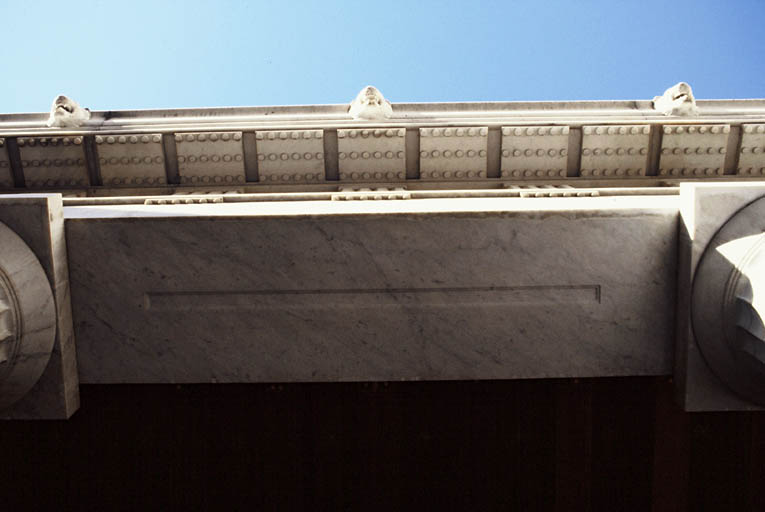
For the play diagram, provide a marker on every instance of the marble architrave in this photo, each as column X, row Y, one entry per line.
column 384, row 290
column 39, row 221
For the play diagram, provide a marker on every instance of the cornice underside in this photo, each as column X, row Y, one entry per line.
column 421, row 156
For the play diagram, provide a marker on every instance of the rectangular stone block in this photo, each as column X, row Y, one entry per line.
column 453, row 153
column 6, row 175
column 694, row 150
column 751, row 159
column 534, row 152
column 614, row 151
column 53, row 162
column 372, row 154
column 210, row 158
column 133, row 160
column 374, row 290
column 290, row 156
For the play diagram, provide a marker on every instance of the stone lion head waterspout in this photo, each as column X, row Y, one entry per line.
column 678, row 100
column 370, row 104
column 66, row 112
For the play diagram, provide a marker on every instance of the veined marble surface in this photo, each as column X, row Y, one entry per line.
column 389, row 290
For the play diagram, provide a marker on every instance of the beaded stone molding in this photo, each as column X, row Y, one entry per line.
column 379, row 155
column 292, row 156
column 373, row 154
column 534, row 152
column 614, row 151
column 53, row 161
column 453, row 153
column 751, row 160
column 697, row 150
column 210, row 158
column 131, row 159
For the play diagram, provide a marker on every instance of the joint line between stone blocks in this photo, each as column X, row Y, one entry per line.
column 494, row 152
column 250, row 152
column 331, row 168
column 574, row 160
column 92, row 163
column 655, row 141
column 14, row 157
column 170, row 151
column 732, row 150
column 412, row 152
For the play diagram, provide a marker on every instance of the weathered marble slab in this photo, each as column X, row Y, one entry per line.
column 38, row 219
column 511, row 288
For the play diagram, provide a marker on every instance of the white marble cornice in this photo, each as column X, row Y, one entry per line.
column 404, row 114
column 419, row 145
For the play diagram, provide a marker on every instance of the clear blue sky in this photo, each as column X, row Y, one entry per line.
column 156, row 54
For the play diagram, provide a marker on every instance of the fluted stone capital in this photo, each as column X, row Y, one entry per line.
column 750, row 304
column 27, row 318
column 728, row 303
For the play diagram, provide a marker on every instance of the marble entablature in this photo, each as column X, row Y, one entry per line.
column 376, row 241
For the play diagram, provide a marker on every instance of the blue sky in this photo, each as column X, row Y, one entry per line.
column 137, row 54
